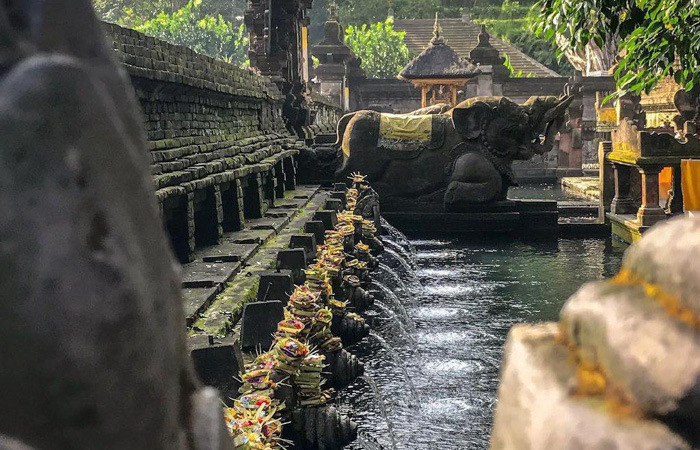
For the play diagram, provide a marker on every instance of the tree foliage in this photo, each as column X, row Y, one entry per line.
column 658, row 38
column 511, row 21
column 131, row 12
column 212, row 36
column 381, row 48
column 540, row 50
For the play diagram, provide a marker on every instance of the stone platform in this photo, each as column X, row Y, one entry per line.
column 585, row 187
column 512, row 216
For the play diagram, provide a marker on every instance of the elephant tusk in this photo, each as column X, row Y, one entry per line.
column 558, row 110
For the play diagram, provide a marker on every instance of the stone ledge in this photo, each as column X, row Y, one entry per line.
column 586, row 187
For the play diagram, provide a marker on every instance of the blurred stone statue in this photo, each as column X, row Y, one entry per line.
column 91, row 325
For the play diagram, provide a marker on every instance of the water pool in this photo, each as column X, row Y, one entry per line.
column 432, row 362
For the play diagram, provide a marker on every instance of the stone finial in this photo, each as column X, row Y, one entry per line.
column 484, row 38
column 390, row 13
column 437, row 29
column 333, row 12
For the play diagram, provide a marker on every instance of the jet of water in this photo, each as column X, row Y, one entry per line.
column 396, row 322
column 398, row 363
column 400, row 310
column 379, row 400
column 397, row 235
column 388, row 271
column 392, row 255
column 402, row 251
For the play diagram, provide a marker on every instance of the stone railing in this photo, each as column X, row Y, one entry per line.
column 621, row 369
column 325, row 117
column 218, row 146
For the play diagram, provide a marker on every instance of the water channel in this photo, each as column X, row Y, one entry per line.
column 445, row 307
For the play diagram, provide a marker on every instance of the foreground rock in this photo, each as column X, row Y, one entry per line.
column 538, row 408
column 650, row 356
column 622, row 368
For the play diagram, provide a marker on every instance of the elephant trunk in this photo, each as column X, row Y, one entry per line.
column 549, row 124
column 550, row 133
column 557, row 111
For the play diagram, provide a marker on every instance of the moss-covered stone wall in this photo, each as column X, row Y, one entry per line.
column 217, row 141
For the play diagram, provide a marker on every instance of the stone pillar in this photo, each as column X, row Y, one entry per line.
column 650, row 212
column 280, row 181
column 606, row 180
column 290, row 173
column 622, row 203
column 254, row 198
column 269, row 188
column 575, row 124
column 190, row 225
column 589, row 146
column 492, row 65
column 276, row 31
column 232, row 204
column 674, row 205
column 484, row 83
column 208, row 215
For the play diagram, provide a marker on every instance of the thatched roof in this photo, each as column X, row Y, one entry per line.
column 438, row 60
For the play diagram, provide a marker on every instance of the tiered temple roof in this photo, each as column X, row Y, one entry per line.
column 463, row 36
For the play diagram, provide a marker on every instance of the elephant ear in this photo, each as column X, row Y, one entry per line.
column 469, row 122
column 514, row 112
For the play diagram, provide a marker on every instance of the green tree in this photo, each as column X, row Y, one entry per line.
column 540, row 50
column 381, row 48
column 657, row 38
column 132, row 12
column 203, row 33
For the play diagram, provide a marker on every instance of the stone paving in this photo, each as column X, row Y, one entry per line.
column 587, row 187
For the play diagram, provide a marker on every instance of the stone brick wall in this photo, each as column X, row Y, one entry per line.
column 219, row 150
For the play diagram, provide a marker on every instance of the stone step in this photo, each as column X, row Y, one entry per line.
column 226, row 309
column 538, row 407
column 209, row 274
column 228, row 252
column 653, row 357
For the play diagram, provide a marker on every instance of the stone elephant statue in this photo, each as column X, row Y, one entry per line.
column 456, row 158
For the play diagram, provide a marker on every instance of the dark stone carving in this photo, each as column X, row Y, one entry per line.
column 349, row 328
column 688, row 105
column 482, row 138
column 318, row 164
column 91, row 317
column 322, row 428
column 343, row 368
column 275, row 29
